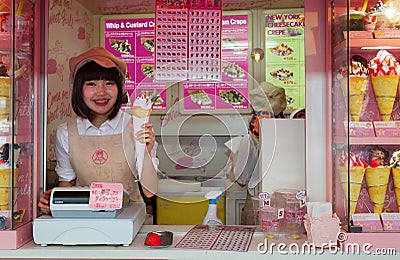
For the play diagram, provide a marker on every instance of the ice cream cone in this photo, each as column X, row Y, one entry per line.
column 385, row 88
column 377, row 181
column 357, row 89
column 396, row 184
column 351, row 187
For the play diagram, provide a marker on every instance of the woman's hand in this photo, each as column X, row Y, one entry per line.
column 147, row 136
column 43, row 204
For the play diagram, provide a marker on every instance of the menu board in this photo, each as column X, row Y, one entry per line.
column 231, row 92
column 132, row 40
column 284, row 52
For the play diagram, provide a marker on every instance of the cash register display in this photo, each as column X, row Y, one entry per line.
column 71, row 197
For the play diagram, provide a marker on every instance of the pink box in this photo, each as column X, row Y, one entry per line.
column 388, row 34
column 391, row 221
column 387, row 129
column 360, row 128
column 368, row 221
column 359, row 35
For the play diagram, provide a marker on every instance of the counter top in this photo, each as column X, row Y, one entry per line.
column 137, row 250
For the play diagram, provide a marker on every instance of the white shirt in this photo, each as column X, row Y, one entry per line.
column 64, row 168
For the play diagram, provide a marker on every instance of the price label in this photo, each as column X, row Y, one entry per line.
column 106, row 195
column 266, row 198
column 281, row 213
column 301, row 196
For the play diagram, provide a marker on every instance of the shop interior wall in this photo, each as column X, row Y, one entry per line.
column 73, row 29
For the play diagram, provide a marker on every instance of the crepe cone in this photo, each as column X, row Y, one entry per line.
column 356, row 175
column 377, row 181
column 357, row 89
column 385, row 88
column 396, row 184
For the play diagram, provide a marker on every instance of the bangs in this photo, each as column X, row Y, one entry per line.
column 93, row 71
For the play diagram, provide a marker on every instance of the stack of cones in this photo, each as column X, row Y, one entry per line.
column 357, row 88
column 377, row 182
column 396, row 184
column 351, row 187
column 385, row 88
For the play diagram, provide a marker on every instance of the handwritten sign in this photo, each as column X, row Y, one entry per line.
column 106, row 195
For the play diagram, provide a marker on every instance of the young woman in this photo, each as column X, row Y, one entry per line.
column 98, row 145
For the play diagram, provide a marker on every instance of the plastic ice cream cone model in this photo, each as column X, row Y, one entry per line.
column 384, row 71
column 351, row 181
column 395, row 164
column 141, row 111
column 377, row 176
column 358, row 82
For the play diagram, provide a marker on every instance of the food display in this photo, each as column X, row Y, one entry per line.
column 233, row 70
column 282, row 74
column 148, row 70
column 232, row 96
column 395, row 165
column 153, row 96
column 122, row 46
column 377, row 177
column 200, row 97
column 356, row 75
column 385, row 73
column 281, row 50
column 148, row 43
column 351, row 179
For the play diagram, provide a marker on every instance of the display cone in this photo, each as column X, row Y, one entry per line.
column 385, row 88
column 396, row 184
column 377, row 181
column 357, row 88
column 356, row 175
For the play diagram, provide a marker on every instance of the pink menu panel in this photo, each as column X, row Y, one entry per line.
column 133, row 41
column 231, row 90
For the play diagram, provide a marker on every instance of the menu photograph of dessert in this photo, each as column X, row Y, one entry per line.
column 284, row 56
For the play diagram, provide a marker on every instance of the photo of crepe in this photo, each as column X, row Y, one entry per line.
column 122, row 46
column 232, row 70
column 230, row 43
column 154, row 96
column 232, row 97
column 148, row 70
column 281, row 50
column 148, row 44
column 199, row 97
column 282, row 74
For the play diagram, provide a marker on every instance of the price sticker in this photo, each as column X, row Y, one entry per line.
column 265, row 197
column 106, row 195
column 301, row 196
column 281, row 213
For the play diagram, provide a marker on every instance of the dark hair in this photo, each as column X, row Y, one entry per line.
column 93, row 71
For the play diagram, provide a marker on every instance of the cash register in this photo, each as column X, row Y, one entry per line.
column 73, row 222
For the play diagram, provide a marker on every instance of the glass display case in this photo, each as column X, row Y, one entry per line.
column 18, row 120
column 365, row 114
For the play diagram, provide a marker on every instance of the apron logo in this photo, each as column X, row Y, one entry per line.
column 100, row 157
